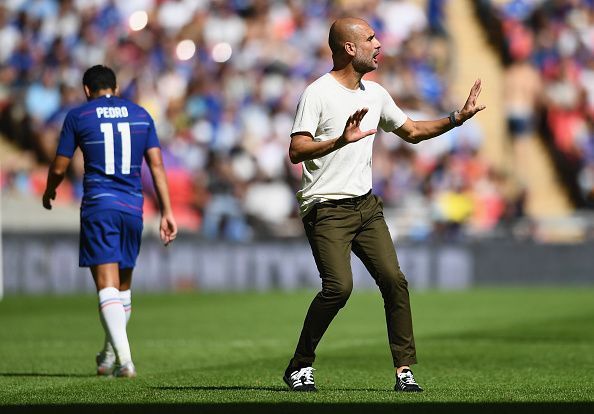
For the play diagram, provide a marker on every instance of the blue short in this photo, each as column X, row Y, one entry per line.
column 110, row 236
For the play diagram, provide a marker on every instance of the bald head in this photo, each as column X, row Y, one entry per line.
column 347, row 29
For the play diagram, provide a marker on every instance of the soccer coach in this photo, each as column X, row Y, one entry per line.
column 332, row 136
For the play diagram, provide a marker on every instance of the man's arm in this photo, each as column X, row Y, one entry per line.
column 168, row 227
column 55, row 175
column 304, row 148
column 417, row 131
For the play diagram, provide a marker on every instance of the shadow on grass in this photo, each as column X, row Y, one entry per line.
column 219, row 388
column 45, row 374
column 253, row 388
column 300, row 408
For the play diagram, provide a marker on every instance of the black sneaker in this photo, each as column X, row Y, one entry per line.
column 406, row 382
column 300, row 380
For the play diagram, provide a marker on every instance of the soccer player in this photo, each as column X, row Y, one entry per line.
column 332, row 136
column 114, row 136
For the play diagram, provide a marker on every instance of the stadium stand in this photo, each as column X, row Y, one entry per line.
column 224, row 109
column 550, row 44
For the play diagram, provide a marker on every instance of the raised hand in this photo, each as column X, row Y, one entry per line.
column 470, row 107
column 352, row 131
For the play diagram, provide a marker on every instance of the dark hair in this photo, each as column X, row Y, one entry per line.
column 99, row 77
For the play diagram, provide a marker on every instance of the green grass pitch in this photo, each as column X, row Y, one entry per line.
column 477, row 346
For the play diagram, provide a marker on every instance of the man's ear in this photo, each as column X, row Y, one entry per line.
column 87, row 92
column 350, row 48
column 117, row 90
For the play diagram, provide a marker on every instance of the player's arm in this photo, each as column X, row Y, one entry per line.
column 417, row 131
column 168, row 226
column 304, row 148
column 57, row 169
column 55, row 175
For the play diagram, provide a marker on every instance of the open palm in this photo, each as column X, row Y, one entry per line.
column 470, row 107
column 352, row 131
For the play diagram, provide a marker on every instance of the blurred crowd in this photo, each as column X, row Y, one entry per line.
column 222, row 80
column 548, row 46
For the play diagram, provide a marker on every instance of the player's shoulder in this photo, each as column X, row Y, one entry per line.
column 79, row 109
column 119, row 101
column 134, row 110
column 140, row 110
column 79, row 113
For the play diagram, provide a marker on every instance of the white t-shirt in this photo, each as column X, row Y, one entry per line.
column 323, row 111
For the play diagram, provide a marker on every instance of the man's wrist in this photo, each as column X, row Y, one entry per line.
column 340, row 142
column 455, row 119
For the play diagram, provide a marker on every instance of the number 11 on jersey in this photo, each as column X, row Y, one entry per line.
column 124, row 130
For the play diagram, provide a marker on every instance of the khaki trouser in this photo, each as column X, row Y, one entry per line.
column 333, row 229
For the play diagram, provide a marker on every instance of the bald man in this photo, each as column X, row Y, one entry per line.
column 332, row 136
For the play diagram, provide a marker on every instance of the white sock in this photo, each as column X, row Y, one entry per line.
column 126, row 298
column 113, row 317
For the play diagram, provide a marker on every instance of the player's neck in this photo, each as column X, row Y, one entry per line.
column 347, row 77
column 100, row 93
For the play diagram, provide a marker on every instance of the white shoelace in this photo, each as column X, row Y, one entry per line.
column 407, row 378
column 306, row 372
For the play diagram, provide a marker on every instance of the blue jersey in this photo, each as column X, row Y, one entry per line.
column 113, row 134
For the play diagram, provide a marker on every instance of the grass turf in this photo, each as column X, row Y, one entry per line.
column 478, row 346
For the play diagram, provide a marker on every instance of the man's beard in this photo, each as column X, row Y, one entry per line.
column 363, row 65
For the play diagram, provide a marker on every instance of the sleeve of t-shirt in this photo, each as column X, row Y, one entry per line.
column 153, row 140
column 68, row 140
column 308, row 113
column 392, row 116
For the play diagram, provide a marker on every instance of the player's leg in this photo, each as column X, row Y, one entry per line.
column 131, row 226
column 374, row 246
column 329, row 230
column 126, row 291
column 130, row 248
column 107, row 355
column 106, row 358
column 127, row 370
column 111, row 310
column 100, row 250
